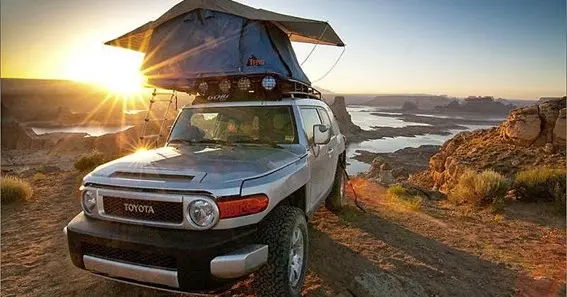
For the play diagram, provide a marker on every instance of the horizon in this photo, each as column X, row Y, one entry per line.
column 509, row 49
column 325, row 91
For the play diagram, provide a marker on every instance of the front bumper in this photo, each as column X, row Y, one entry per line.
column 184, row 260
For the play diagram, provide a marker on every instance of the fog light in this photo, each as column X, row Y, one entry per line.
column 269, row 83
column 203, row 87
column 244, row 84
column 224, row 86
column 89, row 200
column 202, row 213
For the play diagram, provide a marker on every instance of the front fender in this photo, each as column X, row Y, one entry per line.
column 277, row 186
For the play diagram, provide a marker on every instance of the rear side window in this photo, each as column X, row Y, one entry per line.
column 310, row 117
column 325, row 119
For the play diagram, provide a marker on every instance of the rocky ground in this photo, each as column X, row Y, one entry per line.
column 396, row 166
column 387, row 251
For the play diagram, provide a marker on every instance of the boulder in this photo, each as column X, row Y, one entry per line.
column 523, row 125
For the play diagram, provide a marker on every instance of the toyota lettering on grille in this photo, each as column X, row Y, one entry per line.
column 138, row 208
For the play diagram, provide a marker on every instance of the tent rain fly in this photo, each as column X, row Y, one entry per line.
column 205, row 38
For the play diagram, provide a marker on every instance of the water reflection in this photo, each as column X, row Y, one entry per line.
column 89, row 130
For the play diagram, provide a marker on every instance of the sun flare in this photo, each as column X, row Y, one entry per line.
column 115, row 69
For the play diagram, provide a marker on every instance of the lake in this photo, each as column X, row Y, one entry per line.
column 361, row 116
column 89, row 130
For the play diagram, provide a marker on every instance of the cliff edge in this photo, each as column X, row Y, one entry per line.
column 530, row 136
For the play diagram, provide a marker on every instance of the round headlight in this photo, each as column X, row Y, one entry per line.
column 244, row 84
column 202, row 213
column 89, row 200
column 203, row 87
column 224, row 86
column 268, row 83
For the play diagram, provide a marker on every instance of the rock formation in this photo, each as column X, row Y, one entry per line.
column 484, row 105
column 346, row 125
column 388, row 168
column 531, row 136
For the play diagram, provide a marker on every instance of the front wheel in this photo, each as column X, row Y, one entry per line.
column 285, row 233
column 336, row 199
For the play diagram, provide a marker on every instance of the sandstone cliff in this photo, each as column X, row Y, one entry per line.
column 346, row 125
column 531, row 136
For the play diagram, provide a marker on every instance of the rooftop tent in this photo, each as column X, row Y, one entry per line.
column 199, row 38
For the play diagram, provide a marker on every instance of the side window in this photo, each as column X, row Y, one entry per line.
column 310, row 117
column 325, row 119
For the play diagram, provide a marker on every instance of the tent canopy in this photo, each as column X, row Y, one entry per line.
column 297, row 29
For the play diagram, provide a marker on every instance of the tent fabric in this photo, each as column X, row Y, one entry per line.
column 297, row 29
column 206, row 43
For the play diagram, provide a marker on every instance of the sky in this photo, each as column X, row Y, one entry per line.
column 504, row 48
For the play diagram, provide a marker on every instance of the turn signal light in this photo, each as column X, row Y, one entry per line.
column 242, row 206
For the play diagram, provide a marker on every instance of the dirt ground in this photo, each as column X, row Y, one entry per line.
column 447, row 251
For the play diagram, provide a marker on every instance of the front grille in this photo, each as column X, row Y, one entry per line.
column 129, row 256
column 146, row 210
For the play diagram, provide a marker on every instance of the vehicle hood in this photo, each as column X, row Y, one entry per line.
column 198, row 164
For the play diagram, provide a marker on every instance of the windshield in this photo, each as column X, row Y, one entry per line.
column 231, row 125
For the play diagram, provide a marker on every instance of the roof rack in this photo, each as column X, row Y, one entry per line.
column 302, row 90
column 243, row 87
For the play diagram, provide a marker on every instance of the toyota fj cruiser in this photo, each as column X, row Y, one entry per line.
column 229, row 194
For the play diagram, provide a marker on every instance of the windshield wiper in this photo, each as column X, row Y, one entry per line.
column 212, row 141
column 180, row 140
column 259, row 142
column 202, row 141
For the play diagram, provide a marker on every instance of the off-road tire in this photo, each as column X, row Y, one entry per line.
column 272, row 280
column 336, row 199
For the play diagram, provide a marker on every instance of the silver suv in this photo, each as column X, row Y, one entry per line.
column 229, row 194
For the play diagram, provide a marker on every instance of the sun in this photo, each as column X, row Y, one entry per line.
column 115, row 69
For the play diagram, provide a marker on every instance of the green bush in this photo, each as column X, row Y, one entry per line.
column 14, row 189
column 479, row 189
column 90, row 162
column 541, row 184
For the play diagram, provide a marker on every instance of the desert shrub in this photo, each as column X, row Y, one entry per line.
column 397, row 190
column 479, row 189
column 14, row 189
column 401, row 196
column 541, row 184
column 90, row 162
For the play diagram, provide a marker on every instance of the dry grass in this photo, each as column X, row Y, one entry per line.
column 479, row 189
column 542, row 185
column 38, row 176
column 13, row 189
column 397, row 194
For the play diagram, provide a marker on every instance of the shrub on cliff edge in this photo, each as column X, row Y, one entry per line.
column 541, row 185
column 479, row 189
column 14, row 189
column 401, row 196
column 90, row 162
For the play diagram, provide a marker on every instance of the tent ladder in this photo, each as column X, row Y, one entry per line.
column 171, row 100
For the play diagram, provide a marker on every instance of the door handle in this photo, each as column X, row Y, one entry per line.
column 330, row 151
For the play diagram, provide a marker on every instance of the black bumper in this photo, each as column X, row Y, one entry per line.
column 188, row 252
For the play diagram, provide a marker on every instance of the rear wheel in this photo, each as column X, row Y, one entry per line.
column 285, row 233
column 336, row 200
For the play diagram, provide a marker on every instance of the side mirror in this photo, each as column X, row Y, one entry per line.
column 321, row 134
